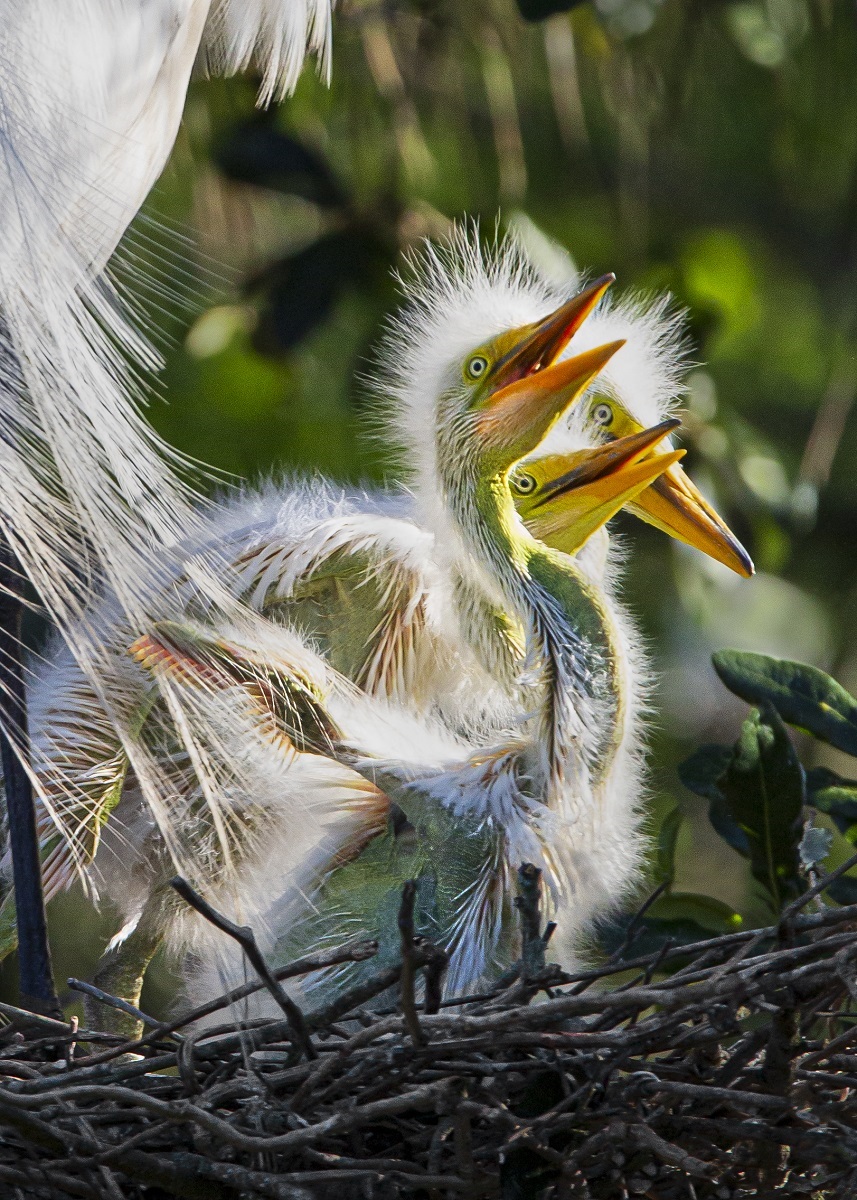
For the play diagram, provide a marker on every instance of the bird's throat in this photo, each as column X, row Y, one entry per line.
column 570, row 633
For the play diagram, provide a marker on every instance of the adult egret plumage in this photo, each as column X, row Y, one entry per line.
column 318, row 542
column 91, row 94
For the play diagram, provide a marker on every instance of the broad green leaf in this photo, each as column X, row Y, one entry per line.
column 802, row 695
column 725, row 826
column 831, row 794
column 704, row 911
column 764, row 790
column 667, row 839
column 701, row 774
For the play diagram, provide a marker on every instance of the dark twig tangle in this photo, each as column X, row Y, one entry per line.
column 243, row 935
column 728, row 1076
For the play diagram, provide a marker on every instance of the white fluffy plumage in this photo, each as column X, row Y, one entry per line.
column 402, row 567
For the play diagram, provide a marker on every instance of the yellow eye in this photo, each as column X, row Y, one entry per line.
column 602, row 414
column 523, row 484
column 477, row 367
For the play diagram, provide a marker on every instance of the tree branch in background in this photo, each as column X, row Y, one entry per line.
column 34, row 955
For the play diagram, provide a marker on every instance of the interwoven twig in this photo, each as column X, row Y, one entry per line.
column 733, row 1076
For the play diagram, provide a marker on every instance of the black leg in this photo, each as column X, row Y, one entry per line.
column 34, row 956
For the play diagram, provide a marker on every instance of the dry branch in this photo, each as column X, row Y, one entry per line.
column 733, row 1076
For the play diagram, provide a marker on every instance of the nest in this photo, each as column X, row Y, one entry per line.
column 716, row 1070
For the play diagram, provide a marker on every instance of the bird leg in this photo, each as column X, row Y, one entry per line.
column 122, row 970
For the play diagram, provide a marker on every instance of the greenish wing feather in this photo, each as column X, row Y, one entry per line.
column 363, row 609
column 457, row 865
column 341, row 608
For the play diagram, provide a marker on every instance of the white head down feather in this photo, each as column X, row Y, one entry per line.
column 461, row 293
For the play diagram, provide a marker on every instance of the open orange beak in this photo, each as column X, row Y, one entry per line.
column 675, row 505
column 597, row 482
column 530, row 390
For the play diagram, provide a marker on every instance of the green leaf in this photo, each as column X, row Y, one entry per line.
column 831, row 794
column 300, row 289
column 764, row 789
column 802, row 695
column 725, row 826
column 701, row 774
column 704, row 911
column 667, row 840
column 258, row 153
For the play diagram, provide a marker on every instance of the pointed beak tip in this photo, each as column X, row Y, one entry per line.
column 675, row 506
column 593, row 361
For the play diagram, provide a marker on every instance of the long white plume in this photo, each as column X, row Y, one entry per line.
column 91, row 96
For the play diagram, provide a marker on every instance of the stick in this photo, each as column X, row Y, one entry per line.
column 436, row 960
column 529, row 905
column 89, row 989
column 34, row 954
column 406, row 930
column 243, row 935
column 353, row 952
column 358, row 951
column 23, row 1018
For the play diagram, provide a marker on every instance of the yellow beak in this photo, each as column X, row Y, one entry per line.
column 597, row 482
column 529, row 389
column 676, row 506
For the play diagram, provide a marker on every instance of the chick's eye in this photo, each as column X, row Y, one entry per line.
column 523, row 484
column 477, row 366
column 602, row 414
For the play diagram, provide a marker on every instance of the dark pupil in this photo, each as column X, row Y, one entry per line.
column 603, row 414
column 524, row 483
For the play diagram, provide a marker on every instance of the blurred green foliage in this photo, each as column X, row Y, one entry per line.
column 707, row 147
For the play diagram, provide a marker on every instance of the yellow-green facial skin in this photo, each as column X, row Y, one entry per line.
column 608, row 420
column 671, row 503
